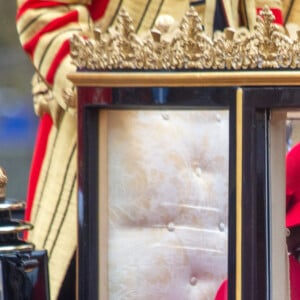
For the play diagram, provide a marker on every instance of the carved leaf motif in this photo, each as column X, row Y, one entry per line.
column 187, row 47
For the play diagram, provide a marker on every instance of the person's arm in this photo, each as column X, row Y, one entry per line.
column 293, row 200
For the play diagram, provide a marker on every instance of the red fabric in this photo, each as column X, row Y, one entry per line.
column 44, row 128
column 33, row 4
column 55, row 24
column 293, row 186
column 222, row 291
column 46, row 123
column 294, row 278
column 61, row 54
column 277, row 12
column 97, row 8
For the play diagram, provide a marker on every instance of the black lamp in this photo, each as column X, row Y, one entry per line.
column 23, row 270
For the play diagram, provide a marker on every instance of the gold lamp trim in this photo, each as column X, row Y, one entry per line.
column 21, row 247
column 15, row 228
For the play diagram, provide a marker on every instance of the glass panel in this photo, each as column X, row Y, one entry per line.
column 163, row 203
column 293, row 201
column 278, row 255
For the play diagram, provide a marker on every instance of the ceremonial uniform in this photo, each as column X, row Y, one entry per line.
column 293, row 217
column 45, row 28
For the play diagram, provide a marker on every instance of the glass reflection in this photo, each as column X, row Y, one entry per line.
column 167, row 199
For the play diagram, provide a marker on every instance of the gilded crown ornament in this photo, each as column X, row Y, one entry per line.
column 187, row 47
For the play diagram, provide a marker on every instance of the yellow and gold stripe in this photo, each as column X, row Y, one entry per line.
column 239, row 191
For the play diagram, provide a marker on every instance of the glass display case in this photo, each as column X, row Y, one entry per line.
column 182, row 171
column 155, row 179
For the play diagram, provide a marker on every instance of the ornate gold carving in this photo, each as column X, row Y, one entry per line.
column 3, row 182
column 187, row 47
column 44, row 101
column 70, row 97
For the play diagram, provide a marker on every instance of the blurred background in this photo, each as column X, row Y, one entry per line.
column 17, row 120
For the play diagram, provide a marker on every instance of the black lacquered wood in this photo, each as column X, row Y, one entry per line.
column 254, row 234
column 258, row 104
column 87, row 254
column 91, row 101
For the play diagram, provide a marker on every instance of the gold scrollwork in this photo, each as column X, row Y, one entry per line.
column 187, row 47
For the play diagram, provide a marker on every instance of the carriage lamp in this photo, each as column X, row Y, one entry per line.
column 23, row 269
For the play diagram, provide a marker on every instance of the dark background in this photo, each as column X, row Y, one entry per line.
column 17, row 119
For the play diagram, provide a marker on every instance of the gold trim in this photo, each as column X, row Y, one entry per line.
column 239, row 188
column 187, row 47
column 21, row 226
column 185, row 79
column 103, row 205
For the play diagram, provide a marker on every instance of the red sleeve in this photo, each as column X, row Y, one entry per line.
column 97, row 8
column 277, row 14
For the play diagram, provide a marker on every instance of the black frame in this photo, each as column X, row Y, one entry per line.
column 256, row 107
